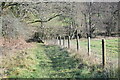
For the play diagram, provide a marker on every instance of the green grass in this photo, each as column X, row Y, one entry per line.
column 96, row 46
column 45, row 62
column 52, row 62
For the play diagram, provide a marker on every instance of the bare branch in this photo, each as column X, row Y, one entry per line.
column 47, row 19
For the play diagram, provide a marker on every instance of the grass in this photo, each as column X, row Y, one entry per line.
column 45, row 62
column 96, row 46
column 52, row 62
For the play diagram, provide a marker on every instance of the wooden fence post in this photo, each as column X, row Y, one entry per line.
column 54, row 41
column 57, row 41
column 103, row 52
column 89, row 48
column 60, row 40
column 68, row 41
column 77, row 40
column 63, row 41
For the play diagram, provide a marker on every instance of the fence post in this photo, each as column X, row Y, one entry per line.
column 103, row 52
column 60, row 40
column 57, row 41
column 63, row 41
column 54, row 41
column 77, row 40
column 68, row 41
column 89, row 48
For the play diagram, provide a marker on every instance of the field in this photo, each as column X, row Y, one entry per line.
column 31, row 40
column 47, row 61
column 96, row 46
